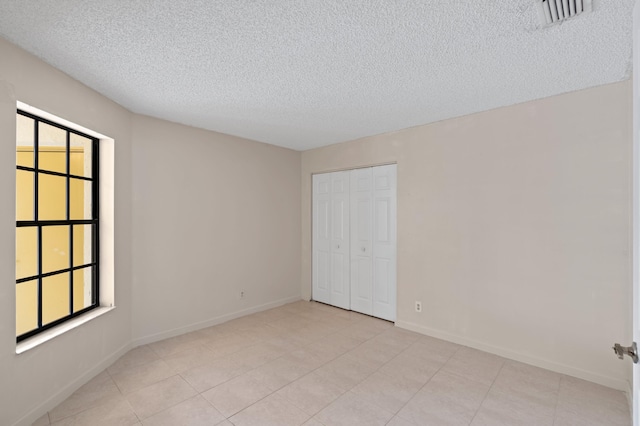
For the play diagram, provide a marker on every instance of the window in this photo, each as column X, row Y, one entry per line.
column 57, row 226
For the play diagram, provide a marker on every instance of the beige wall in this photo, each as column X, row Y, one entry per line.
column 513, row 228
column 199, row 216
column 213, row 215
column 39, row 378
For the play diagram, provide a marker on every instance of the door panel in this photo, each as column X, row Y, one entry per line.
column 361, row 238
column 340, row 289
column 321, row 225
column 384, row 242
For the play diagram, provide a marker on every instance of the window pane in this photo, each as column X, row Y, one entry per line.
column 26, row 252
column 82, row 245
column 52, row 201
column 80, row 199
column 52, row 148
column 80, row 155
column 55, row 248
column 24, row 141
column 55, row 297
column 24, row 195
column 82, row 289
column 26, row 306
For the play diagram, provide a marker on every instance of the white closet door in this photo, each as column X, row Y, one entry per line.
column 340, row 288
column 384, row 241
column 361, row 241
column 321, row 234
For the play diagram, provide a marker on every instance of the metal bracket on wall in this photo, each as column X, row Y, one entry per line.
column 631, row 351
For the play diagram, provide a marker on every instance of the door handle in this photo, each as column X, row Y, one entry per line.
column 631, row 351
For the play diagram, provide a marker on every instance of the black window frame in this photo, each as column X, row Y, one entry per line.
column 39, row 224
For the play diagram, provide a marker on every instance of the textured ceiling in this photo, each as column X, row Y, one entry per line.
column 308, row 73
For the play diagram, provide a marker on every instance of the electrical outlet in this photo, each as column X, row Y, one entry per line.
column 242, row 294
column 418, row 306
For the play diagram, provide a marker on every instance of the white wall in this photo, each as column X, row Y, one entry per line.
column 31, row 382
column 213, row 215
column 513, row 228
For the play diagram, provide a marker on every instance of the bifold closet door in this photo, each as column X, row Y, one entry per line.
column 330, row 263
column 373, row 241
column 354, row 240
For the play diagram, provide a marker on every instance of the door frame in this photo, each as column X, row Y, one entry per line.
column 635, row 253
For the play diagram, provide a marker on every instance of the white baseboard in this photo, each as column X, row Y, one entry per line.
column 64, row 393
column 211, row 322
column 610, row 382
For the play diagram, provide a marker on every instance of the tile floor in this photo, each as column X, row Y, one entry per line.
column 310, row 364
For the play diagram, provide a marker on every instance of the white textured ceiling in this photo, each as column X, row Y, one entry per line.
column 308, row 73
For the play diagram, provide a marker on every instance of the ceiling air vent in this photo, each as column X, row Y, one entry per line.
column 554, row 11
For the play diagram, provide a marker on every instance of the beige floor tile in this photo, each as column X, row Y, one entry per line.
column 399, row 421
column 446, row 399
column 397, row 336
column 585, row 403
column 160, row 396
column 227, row 344
column 270, row 315
column 260, row 332
column 99, row 390
column 516, row 377
column 475, row 365
column 506, row 409
column 285, row 343
column 353, row 410
column 176, row 344
column 190, row 358
column 207, row 376
column 377, row 353
column 573, row 388
column 333, row 346
column 314, row 364
column 290, row 323
column 273, row 410
column 140, row 376
column 116, row 413
column 237, row 394
column 42, row 421
column 137, row 356
column 389, row 393
column 360, row 332
column 411, row 368
column 304, row 358
column 192, row 412
column 258, row 354
column 311, row 393
column 278, row 373
column 431, row 349
column 346, row 371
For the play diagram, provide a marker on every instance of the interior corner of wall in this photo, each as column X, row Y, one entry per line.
column 7, row 93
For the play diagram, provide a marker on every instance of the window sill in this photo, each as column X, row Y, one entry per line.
column 45, row 336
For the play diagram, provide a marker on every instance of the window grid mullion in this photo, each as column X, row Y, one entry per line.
column 68, row 208
column 95, row 215
column 39, row 225
column 36, row 213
